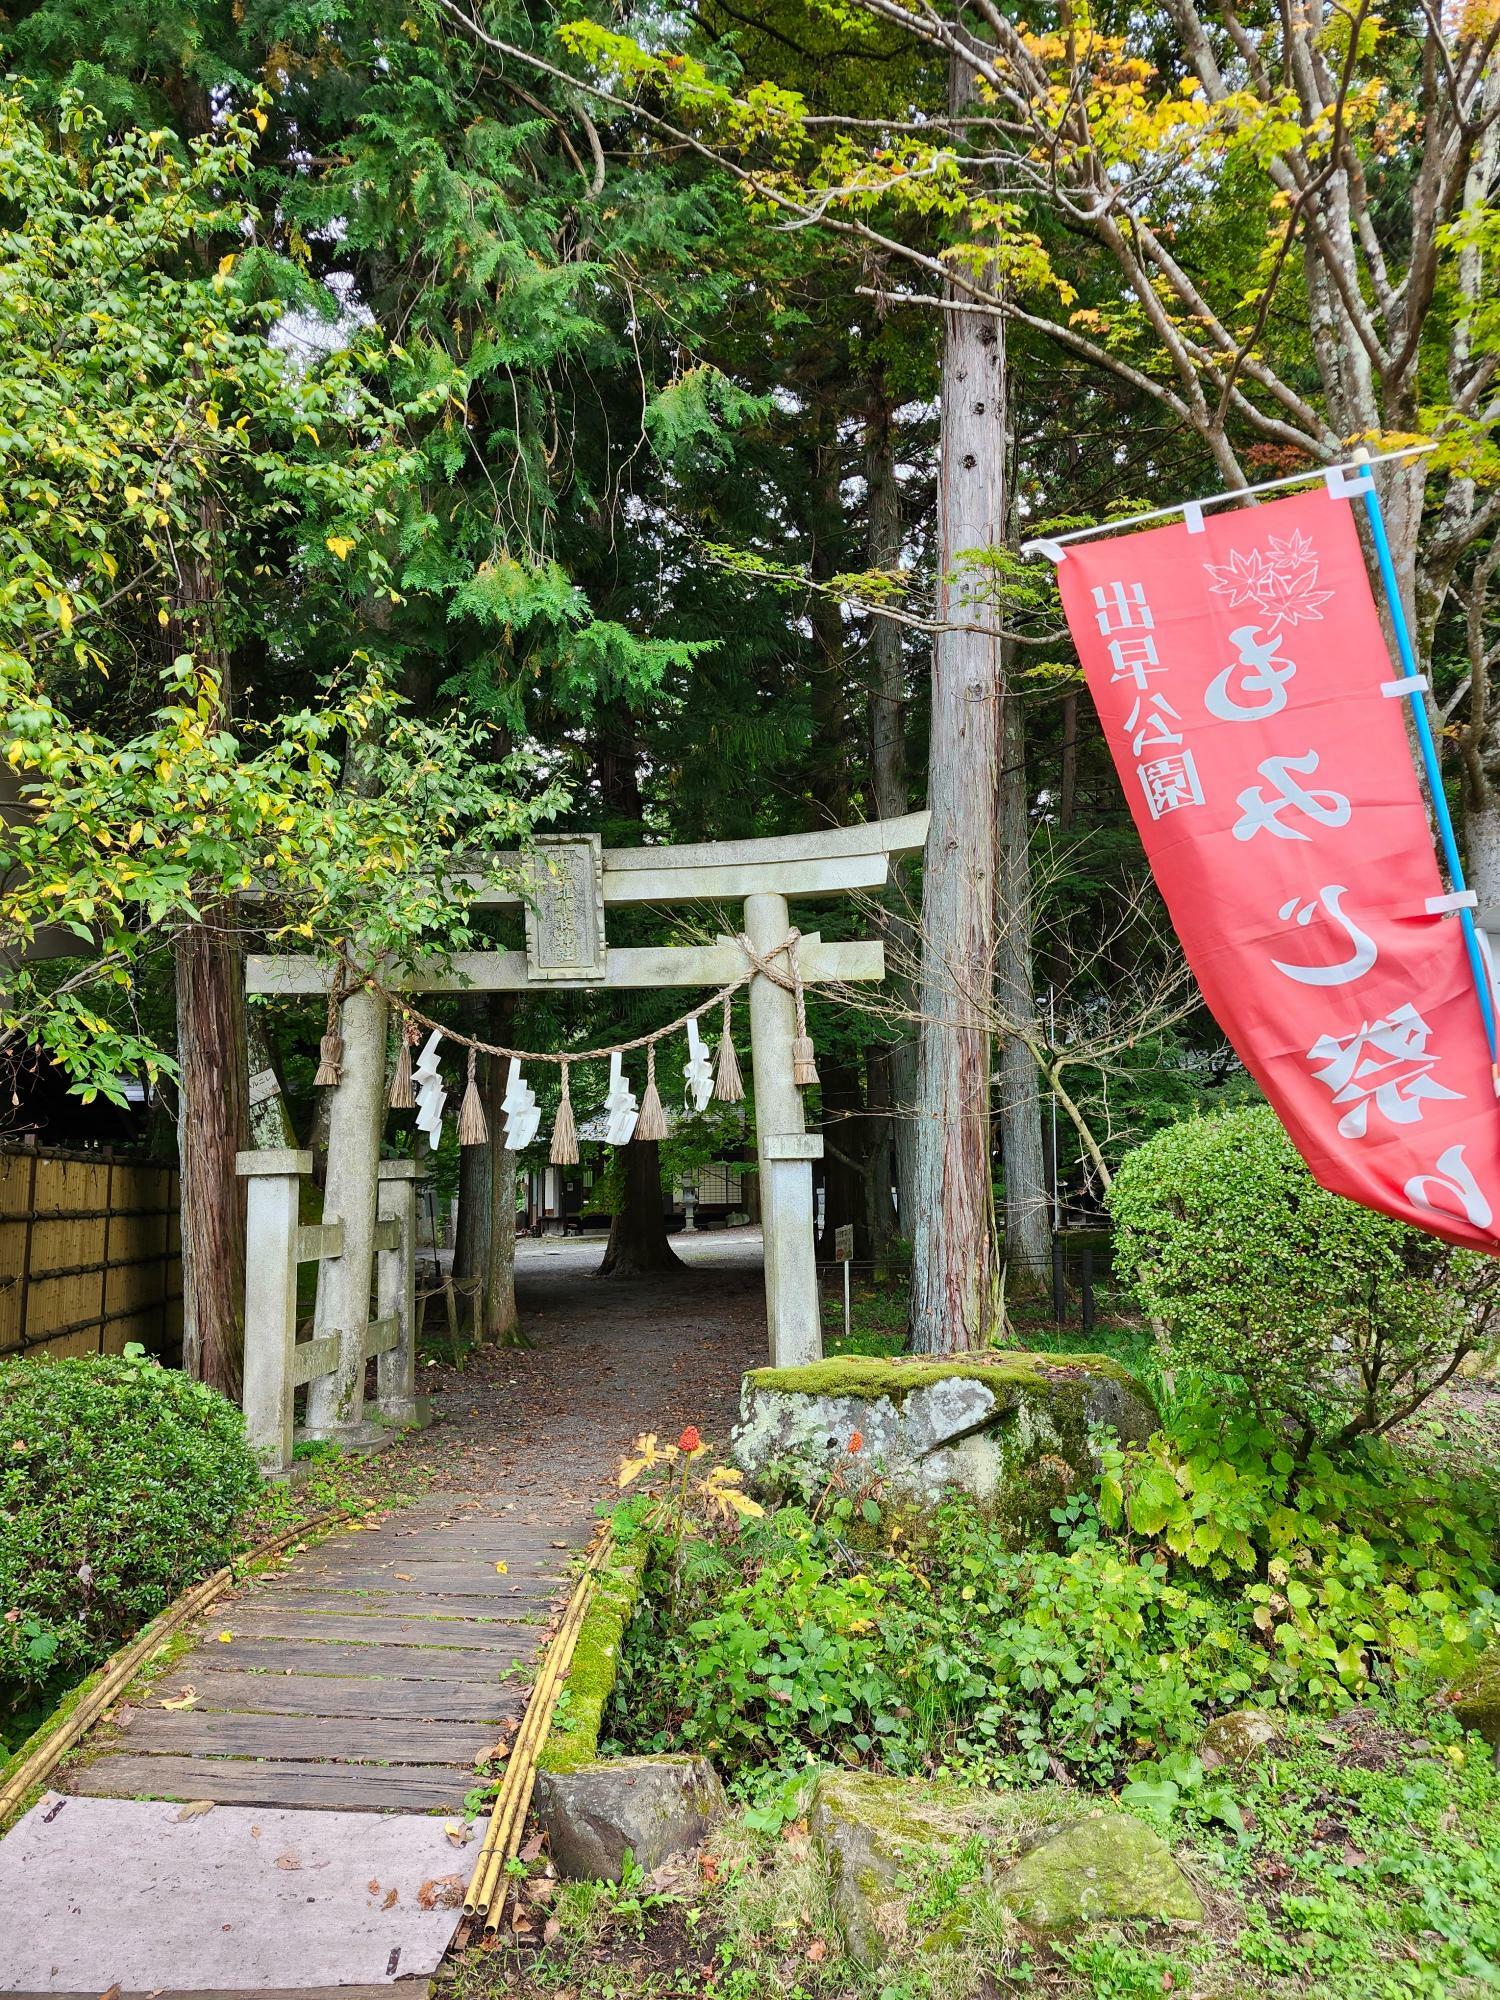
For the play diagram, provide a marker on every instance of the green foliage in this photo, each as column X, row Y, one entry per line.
column 1373, row 1872
column 121, row 1482
column 953, row 1653
column 1352, row 1567
column 125, row 843
column 1337, row 1321
column 147, row 423
column 171, row 477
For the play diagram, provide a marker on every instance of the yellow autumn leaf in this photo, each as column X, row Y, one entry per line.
column 502, row 1569
column 226, row 264
column 340, row 545
column 226, row 1638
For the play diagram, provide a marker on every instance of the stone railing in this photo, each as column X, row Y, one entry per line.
column 277, row 1363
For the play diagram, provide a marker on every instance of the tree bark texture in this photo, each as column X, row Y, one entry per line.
column 212, row 1126
column 473, row 1234
column 892, row 1071
column 638, row 1241
column 1028, row 1218
column 501, row 1321
column 954, row 1277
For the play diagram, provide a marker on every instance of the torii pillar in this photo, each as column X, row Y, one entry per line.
column 569, row 880
column 785, row 1151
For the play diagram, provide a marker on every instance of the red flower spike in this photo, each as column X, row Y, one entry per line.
column 690, row 1440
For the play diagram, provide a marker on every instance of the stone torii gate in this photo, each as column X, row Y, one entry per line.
column 570, row 883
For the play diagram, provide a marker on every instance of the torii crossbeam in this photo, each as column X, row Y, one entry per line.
column 569, row 883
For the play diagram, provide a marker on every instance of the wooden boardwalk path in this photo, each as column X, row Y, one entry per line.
column 370, row 1672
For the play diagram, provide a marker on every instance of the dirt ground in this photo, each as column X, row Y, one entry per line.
column 609, row 1358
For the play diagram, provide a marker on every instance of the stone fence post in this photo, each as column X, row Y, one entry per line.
column 396, row 1292
column 273, row 1191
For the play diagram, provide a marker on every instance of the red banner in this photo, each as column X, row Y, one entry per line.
column 1243, row 682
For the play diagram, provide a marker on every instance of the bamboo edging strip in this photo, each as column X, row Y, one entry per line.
column 513, row 1801
column 120, row 1669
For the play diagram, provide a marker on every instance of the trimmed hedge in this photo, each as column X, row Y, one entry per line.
column 120, row 1484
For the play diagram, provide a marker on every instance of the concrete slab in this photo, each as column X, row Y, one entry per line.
column 100, row 1893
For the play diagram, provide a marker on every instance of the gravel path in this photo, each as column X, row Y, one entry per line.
column 609, row 1358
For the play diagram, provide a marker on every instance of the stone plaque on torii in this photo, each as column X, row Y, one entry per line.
column 570, row 882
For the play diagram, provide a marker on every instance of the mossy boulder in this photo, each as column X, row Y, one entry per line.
column 1106, row 1866
column 1013, row 1430
column 921, row 1867
column 1237, row 1738
column 649, row 1808
column 1476, row 1698
column 877, row 1838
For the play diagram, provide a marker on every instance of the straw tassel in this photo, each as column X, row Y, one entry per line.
column 728, row 1086
column 401, row 1096
column 804, row 1067
column 331, row 1048
column 472, row 1129
column 565, row 1131
column 652, row 1122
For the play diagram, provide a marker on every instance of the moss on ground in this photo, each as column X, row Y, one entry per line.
column 1004, row 1373
column 573, row 1738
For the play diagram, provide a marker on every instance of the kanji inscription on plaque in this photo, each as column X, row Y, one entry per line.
column 565, row 907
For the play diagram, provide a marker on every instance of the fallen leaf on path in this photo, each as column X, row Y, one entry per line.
column 550, row 1930
column 373, row 1886
column 289, row 1863
column 532, row 1848
column 391, row 1900
column 817, row 1951
column 195, row 1810
column 502, row 1569
column 443, row 1892
column 189, row 1700
column 226, row 1638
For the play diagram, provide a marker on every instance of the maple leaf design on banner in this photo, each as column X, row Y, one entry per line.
column 1281, row 580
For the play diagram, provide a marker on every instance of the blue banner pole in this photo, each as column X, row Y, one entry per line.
column 1478, row 963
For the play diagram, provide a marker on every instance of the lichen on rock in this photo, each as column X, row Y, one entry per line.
column 1238, row 1737
column 1040, row 1859
column 646, row 1809
column 1013, row 1430
column 1104, row 1867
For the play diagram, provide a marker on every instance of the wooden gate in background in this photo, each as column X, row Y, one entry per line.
column 90, row 1253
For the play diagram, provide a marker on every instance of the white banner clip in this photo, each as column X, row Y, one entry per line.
column 1344, row 487
column 1409, row 684
column 1053, row 551
column 1192, row 517
column 1442, row 906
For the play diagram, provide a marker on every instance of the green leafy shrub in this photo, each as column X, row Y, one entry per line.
column 1338, row 1322
column 120, row 1483
column 954, row 1653
column 1351, row 1567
